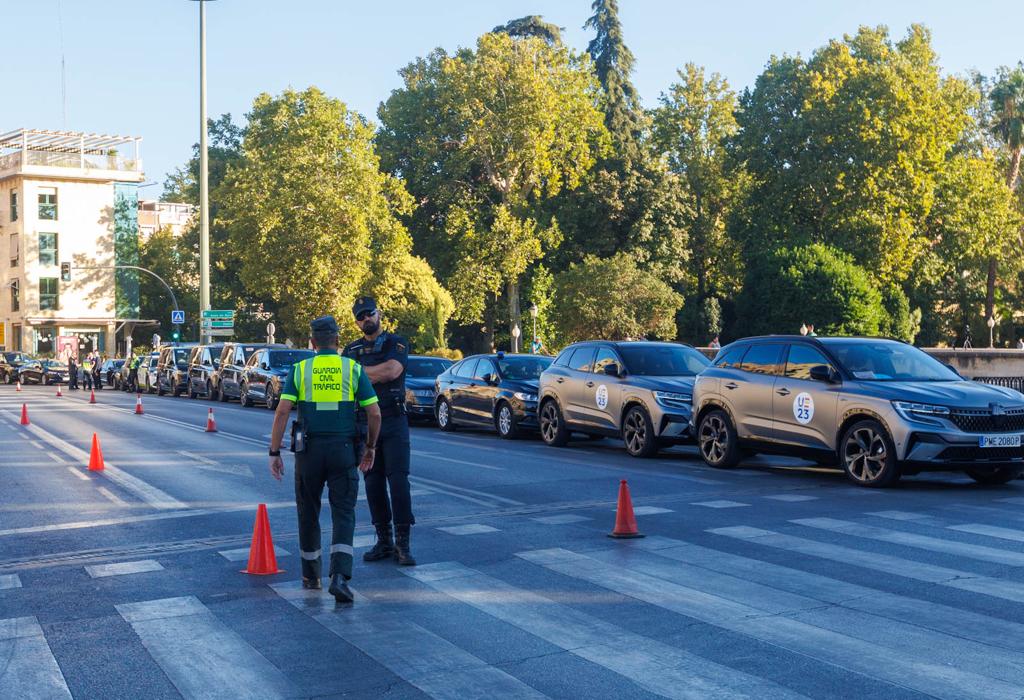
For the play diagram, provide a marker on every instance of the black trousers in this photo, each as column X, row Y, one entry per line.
column 390, row 473
column 73, row 379
column 87, row 379
column 327, row 460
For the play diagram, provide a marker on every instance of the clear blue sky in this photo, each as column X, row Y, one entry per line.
column 132, row 65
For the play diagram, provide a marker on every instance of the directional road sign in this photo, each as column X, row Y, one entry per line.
column 212, row 323
column 177, row 316
column 221, row 314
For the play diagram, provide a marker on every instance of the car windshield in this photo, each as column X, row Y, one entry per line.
column 426, row 368
column 54, row 364
column 662, row 360
column 287, row 358
column 889, row 361
column 523, row 368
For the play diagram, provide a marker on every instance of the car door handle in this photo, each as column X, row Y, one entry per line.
column 783, row 392
column 589, row 384
column 732, row 385
column 560, row 380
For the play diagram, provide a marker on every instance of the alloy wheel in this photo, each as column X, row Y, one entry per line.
column 442, row 414
column 549, row 421
column 865, row 454
column 635, row 432
column 505, row 420
column 712, row 437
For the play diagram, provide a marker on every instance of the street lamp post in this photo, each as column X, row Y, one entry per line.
column 515, row 337
column 204, row 178
column 991, row 323
column 533, row 343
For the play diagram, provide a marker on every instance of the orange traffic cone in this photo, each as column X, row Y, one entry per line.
column 625, row 521
column 24, row 414
column 138, row 404
column 58, row 391
column 19, row 386
column 95, row 455
column 262, row 560
column 211, row 424
column 92, row 396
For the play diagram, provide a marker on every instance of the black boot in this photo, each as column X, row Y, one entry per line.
column 402, row 554
column 340, row 590
column 385, row 547
column 311, row 584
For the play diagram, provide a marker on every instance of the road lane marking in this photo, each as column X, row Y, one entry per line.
column 560, row 519
column 56, row 458
column 651, row 510
column 111, row 496
column 452, row 490
column 475, row 465
column 242, row 553
column 213, row 465
column 77, row 472
column 909, row 539
column 29, row 668
column 792, row 498
column 650, row 664
column 123, row 568
column 1003, row 533
column 9, row 581
column 720, row 504
column 201, row 656
column 772, row 625
column 432, row 664
column 468, row 529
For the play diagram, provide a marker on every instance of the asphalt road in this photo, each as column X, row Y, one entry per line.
column 772, row 580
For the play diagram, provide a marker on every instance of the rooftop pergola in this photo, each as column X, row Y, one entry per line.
column 70, row 149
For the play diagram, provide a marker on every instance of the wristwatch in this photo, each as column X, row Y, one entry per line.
column 275, row 453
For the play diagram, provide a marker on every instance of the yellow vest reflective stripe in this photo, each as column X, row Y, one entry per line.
column 326, row 381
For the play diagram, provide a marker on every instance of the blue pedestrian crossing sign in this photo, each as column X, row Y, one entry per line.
column 177, row 316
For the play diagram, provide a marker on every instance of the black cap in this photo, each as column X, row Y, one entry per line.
column 325, row 325
column 364, row 304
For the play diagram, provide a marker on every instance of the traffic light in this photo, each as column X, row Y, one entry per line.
column 175, row 336
column 65, row 272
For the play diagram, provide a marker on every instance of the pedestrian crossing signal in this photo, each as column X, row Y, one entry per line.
column 65, row 272
column 175, row 335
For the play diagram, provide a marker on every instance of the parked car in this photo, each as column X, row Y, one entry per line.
column 172, row 369
column 109, row 368
column 421, row 372
column 42, row 372
column 640, row 391
column 265, row 373
column 879, row 408
column 233, row 359
column 147, row 372
column 202, row 366
column 10, row 361
column 494, row 391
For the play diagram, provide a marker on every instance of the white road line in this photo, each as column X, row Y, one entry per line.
column 468, row 529
column 650, row 664
column 77, row 472
column 792, row 498
column 453, row 490
column 111, row 496
column 56, row 458
column 888, row 565
column 419, row 657
column 9, row 581
column 720, row 504
column 909, row 539
column 201, row 656
column 475, row 465
column 1003, row 533
column 29, row 669
column 215, row 466
column 937, row 677
column 651, row 510
column 123, row 568
column 242, row 554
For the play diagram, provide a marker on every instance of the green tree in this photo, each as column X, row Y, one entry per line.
column 171, row 258
column 809, row 284
column 613, row 64
column 845, row 148
column 614, row 299
column 413, row 302
column 531, row 25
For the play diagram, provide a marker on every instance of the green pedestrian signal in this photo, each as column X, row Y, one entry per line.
column 175, row 335
column 65, row 272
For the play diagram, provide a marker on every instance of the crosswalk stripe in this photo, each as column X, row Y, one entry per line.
column 29, row 669
column 8, row 581
column 890, row 565
column 910, row 539
column 242, row 553
column 652, row 665
column 421, row 658
column 865, row 657
column 123, row 568
column 1003, row 533
column 201, row 656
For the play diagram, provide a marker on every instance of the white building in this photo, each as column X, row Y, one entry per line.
column 155, row 215
column 67, row 197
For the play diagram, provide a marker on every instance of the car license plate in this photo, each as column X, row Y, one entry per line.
column 999, row 441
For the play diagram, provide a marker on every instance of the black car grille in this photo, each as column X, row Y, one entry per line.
column 984, row 422
column 971, row 453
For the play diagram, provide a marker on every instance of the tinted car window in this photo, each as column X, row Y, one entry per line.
column 419, row 368
column 465, row 369
column 662, row 360
column 523, row 368
column 605, row 357
column 730, row 359
column 582, row 358
column 484, row 366
column 888, row 360
column 286, row 358
column 762, row 359
column 563, row 359
column 800, row 360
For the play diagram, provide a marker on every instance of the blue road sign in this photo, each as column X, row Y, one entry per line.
column 177, row 316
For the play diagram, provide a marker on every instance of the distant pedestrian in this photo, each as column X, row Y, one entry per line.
column 714, row 344
column 810, row 331
column 1020, row 343
column 72, row 372
column 803, row 329
column 97, row 372
column 87, row 372
column 536, row 347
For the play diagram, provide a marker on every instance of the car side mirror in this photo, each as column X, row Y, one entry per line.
column 612, row 369
column 824, row 373
column 490, row 379
column 264, row 365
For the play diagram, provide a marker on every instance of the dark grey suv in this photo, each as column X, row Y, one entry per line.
column 640, row 391
column 880, row 408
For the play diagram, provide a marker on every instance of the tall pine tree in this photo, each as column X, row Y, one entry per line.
column 613, row 64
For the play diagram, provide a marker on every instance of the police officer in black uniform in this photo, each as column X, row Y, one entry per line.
column 384, row 356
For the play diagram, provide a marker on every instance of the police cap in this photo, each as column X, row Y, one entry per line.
column 325, row 325
column 364, row 304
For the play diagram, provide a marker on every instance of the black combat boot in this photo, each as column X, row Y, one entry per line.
column 340, row 590
column 385, row 546
column 402, row 554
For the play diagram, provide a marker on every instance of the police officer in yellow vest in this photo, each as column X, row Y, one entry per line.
column 327, row 388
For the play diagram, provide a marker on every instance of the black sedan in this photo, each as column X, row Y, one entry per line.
column 43, row 372
column 491, row 391
column 9, row 363
column 420, row 374
column 263, row 377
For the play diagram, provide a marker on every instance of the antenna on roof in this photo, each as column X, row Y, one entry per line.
column 63, row 73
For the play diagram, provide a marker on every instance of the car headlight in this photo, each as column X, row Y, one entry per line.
column 920, row 412
column 523, row 396
column 423, row 393
column 673, row 399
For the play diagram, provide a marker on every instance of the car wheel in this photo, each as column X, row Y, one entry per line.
column 271, row 398
column 209, row 392
column 192, row 393
column 221, row 395
column 444, row 416
column 716, row 440
column 505, row 422
column 159, row 388
column 46, row 380
column 638, row 433
column 175, row 391
column 243, row 396
column 995, row 475
column 868, row 456
column 553, row 429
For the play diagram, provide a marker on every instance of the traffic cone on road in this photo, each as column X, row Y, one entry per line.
column 262, row 560
column 138, row 404
column 625, row 521
column 24, row 414
column 58, row 391
column 95, row 455
column 92, row 396
column 19, row 386
column 211, row 424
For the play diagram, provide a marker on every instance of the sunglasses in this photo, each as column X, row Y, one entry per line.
column 363, row 315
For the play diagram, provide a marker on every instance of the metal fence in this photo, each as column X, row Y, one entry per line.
column 1016, row 383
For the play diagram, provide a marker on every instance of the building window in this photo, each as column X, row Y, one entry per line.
column 48, row 249
column 14, row 205
column 48, row 298
column 48, row 203
column 15, row 250
column 15, row 296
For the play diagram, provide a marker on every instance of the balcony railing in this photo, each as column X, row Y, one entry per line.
column 109, row 161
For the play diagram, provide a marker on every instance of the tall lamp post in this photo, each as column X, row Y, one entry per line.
column 204, row 178
column 991, row 323
column 533, row 343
